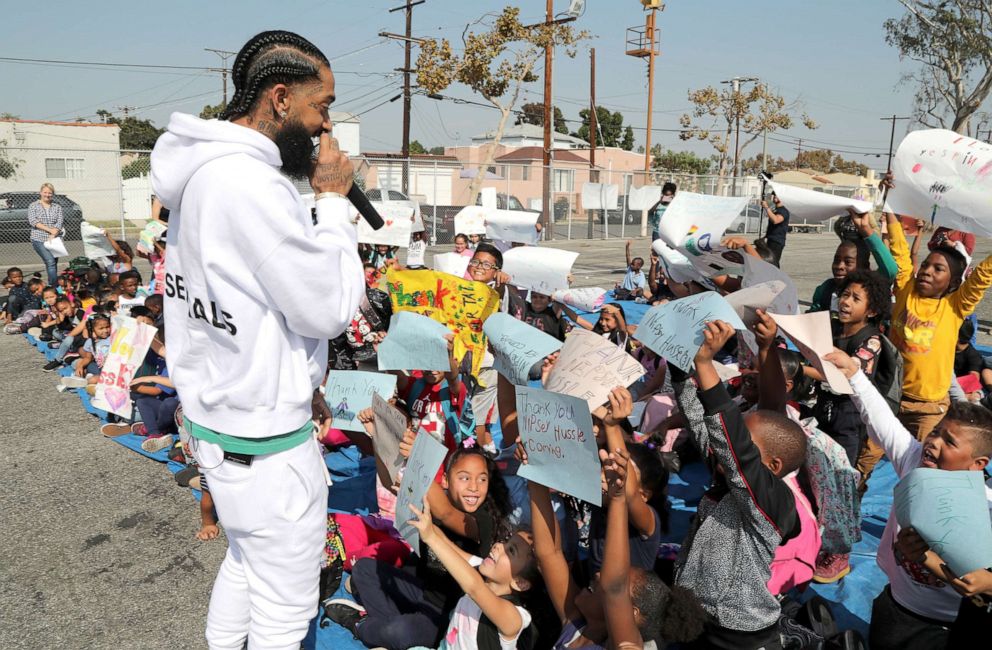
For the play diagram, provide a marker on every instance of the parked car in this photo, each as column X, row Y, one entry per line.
column 393, row 196
column 14, row 225
column 506, row 202
column 748, row 221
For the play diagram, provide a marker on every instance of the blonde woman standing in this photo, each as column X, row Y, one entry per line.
column 45, row 219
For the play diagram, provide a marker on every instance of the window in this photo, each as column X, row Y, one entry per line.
column 525, row 173
column 564, row 180
column 64, row 167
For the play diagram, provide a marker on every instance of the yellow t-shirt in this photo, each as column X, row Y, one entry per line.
column 925, row 330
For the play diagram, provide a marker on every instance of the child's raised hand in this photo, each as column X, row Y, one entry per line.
column 450, row 338
column 715, row 336
column 734, row 243
column 422, row 521
column 765, row 329
column 844, row 362
column 614, row 472
column 861, row 221
column 367, row 418
column 619, row 406
column 888, row 181
column 978, row 582
column 547, row 365
column 911, row 546
column 520, row 453
column 406, row 444
column 501, row 279
column 208, row 532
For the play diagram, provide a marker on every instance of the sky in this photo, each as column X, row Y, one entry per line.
column 831, row 57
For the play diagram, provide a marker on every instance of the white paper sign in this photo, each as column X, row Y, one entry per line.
column 452, row 264
column 758, row 271
column 749, row 299
column 128, row 348
column 95, row 243
column 677, row 266
column 812, row 335
column 694, row 225
column 396, row 229
column 944, row 178
column 810, row 205
column 544, row 270
column 487, row 197
column 513, row 226
column 584, row 298
column 590, row 366
column 471, row 220
column 599, row 196
column 643, row 198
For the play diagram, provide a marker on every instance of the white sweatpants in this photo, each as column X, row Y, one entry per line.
column 274, row 513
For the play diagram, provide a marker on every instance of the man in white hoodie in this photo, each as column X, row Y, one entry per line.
column 253, row 291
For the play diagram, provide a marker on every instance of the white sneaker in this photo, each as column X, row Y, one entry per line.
column 72, row 381
column 157, row 444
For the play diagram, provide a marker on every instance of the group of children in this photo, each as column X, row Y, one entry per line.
column 503, row 562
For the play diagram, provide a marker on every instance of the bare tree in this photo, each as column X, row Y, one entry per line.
column 952, row 42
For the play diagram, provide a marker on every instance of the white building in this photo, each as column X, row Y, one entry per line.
column 346, row 128
column 530, row 135
column 81, row 160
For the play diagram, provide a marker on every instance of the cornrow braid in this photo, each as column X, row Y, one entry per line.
column 270, row 58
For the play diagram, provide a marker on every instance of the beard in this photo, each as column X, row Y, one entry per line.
column 296, row 149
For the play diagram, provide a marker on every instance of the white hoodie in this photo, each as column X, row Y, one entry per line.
column 253, row 290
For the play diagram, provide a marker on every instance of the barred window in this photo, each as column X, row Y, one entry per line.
column 64, row 167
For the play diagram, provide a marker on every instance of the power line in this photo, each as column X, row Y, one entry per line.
column 152, row 66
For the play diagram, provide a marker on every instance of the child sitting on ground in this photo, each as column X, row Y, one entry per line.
column 95, row 351
column 747, row 514
column 634, row 283
column 20, row 296
column 917, row 607
column 129, row 297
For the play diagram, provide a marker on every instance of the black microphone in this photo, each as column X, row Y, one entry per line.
column 364, row 207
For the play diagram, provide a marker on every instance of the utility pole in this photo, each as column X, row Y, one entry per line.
column 408, row 41
column 799, row 152
column 593, row 172
column 224, row 56
column 126, row 110
column 735, row 84
column 892, row 141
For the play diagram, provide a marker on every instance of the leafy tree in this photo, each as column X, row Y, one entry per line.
column 9, row 116
column 135, row 134
column 821, row 160
column 533, row 113
column 680, row 161
column 138, row 167
column 610, row 131
column 715, row 115
column 416, row 147
column 436, row 151
column 952, row 42
column 495, row 64
column 8, row 164
column 211, row 112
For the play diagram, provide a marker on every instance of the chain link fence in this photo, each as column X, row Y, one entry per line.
column 112, row 189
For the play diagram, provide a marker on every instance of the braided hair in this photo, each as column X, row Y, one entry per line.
column 269, row 58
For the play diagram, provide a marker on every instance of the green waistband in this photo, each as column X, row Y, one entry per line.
column 253, row 446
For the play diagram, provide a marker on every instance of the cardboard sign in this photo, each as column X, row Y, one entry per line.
column 944, row 178
column 512, row 226
column 398, row 224
column 460, row 305
column 810, row 205
column 590, row 366
column 471, row 220
column 390, row 425
column 694, row 225
column 414, row 342
column 421, row 468
column 128, row 347
column 675, row 330
column 556, row 431
column 517, row 346
column 348, row 392
column 813, row 338
column 950, row 511
column 544, row 270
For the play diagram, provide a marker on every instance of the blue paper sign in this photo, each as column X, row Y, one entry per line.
column 349, row 391
column 421, row 468
column 517, row 346
column 951, row 512
column 556, row 431
column 414, row 342
column 675, row 330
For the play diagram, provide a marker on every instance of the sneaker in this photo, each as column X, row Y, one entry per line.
column 157, row 443
column 185, row 475
column 831, row 567
column 73, row 381
column 12, row 328
column 34, row 331
column 52, row 365
column 139, row 429
column 54, row 345
column 347, row 585
column 346, row 613
column 114, row 430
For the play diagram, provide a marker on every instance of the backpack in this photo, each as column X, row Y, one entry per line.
column 889, row 370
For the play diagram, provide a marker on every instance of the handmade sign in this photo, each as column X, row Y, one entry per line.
column 149, row 234
column 487, row 198
column 95, row 243
column 390, row 425
column 471, row 220
column 556, row 432
column 748, row 300
column 590, row 366
column 349, row 391
column 452, row 264
column 517, row 346
column 758, row 271
column 397, row 225
column 694, row 225
column 944, row 178
column 585, row 298
column 512, row 226
column 128, row 348
column 950, row 511
column 810, row 205
column 813, row 338
column 677, row 266
column 421, row 468
column 675, row 330
column 599, row 196
column 643, row 198
column 461, row 305
column 544, row 270
column 414, row 342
